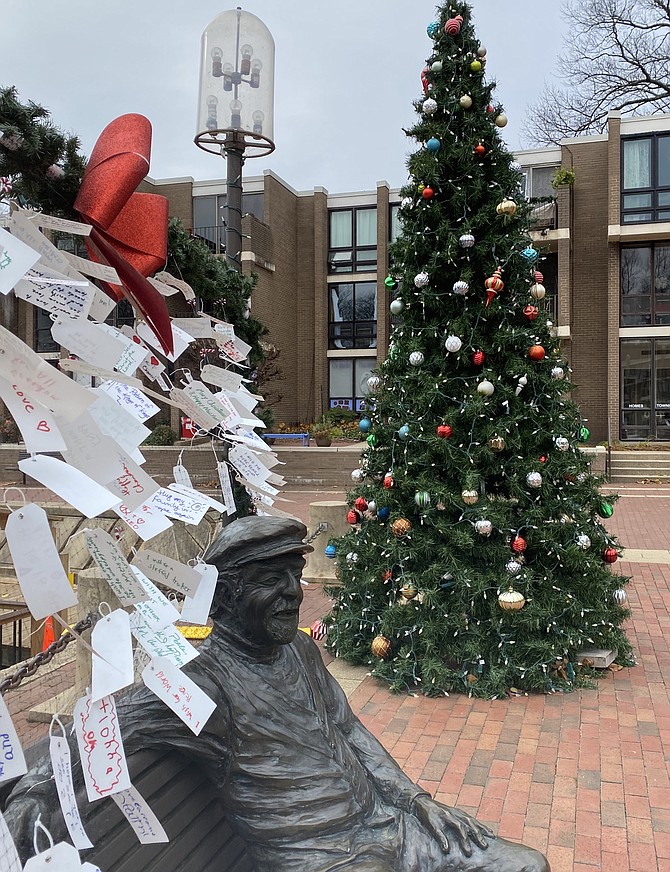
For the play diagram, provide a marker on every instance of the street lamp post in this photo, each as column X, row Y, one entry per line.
column 236, row 105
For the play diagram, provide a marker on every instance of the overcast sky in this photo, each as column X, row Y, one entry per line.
column 347, row 73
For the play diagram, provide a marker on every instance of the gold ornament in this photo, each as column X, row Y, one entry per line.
column 401, row 527
column 511, row 600
column 408, row 591
column 507, row 207
column 470, row 497
column 381, row 647
column 497, row 443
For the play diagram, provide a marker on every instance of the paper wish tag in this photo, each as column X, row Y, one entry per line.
column 157, row 611
column 48, row 254
column 179, row 693
column 180, row 340
column 39, row 570
column 89, row 341
column 36, row 423
column 175, row 505
column 248, row 465
column 144, row 520
column 197, row 496
column 103, row 759
column 134, row 486
column 101, row 306
column 199, row 403
column 61, row 857
column 134, row 352
column 226, row 487
column 56, row 293
column 220, row 377
column 181, row 476
column 168, row 642
column 62, row 224
column 141, row 818
column 61, row 764
column 116, row 422
column 8, row 852
column 93, row 269
column 89, row 449
column 170, row 573
column 196, row 609
column 16, row 259
column 12, row 761
column 131, row 399
column 114, row 566
column 199, row 327
column 76, row 488
column 112, row 655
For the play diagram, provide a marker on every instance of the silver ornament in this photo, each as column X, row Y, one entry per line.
column 561, row 443
column 534, row 479
column 372, row 506
column 406, row 203
column 396, row 307
column 583, row 541
column 416, row 358
column 485, row 387
column 461, row 288
column 467, row 240
column 537, row 291
column 483, row 527
column 352, row 558
column 453, row 344
column 436, row 66
column 421, row 279
column 356, row 475
column 513, row 567
column 620, row 596
column 557, row 372
column 481, row 52
column 429, row 106
column 374, row 382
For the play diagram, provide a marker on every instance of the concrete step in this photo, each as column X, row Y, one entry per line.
column 315, row 468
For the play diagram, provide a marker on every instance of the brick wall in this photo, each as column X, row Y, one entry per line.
column 180, row 196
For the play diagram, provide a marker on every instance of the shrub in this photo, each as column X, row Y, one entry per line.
column 162, row 434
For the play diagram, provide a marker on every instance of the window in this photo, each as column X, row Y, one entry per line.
column 396, row 227
column 352, row 235
column 44, row 341
column 548, row 266
column 209, row 217
column 645, row 285
column 349, row 382
column 536, row 185
column 352, row 315
column 645, row 179
column 645, row 389
column 122, row 315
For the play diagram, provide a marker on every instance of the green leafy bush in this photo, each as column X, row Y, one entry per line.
column 162, row 434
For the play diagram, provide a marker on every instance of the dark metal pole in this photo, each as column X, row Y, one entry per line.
column 234, row 152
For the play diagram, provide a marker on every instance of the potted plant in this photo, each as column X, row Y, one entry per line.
column 321, row 433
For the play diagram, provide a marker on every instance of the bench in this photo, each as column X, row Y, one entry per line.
column 304, row 437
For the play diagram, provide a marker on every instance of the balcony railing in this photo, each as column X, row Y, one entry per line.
column 213, row 237
column 544, row 215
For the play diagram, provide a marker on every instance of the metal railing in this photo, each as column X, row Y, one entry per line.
column 15, row 624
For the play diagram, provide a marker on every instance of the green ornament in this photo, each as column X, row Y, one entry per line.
column 371, row 440
column 422, row 499
column 606, row 510
column 584, row 434
column 390, row 283
column 476, row 66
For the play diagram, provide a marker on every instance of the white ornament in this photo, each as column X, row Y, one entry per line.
column 436, row 66
column 484, row 528
column 416, row 358
column 372, row 507
column 557, row 372
column 521, row 384
column 485, row 387
column 406, row 203
column 356, row 475
column 461, row 288
column 466, row 101
column 55, row 172
column 421, row 279
column 501, row 120
column 516, row 166
column 561, row 443
column 453, row 344
column 396, row 307
column 429, row 106
column 467, row 240
column 352, row 558
column 534, row 479
column 481, row 52
column 583, row 541
column 537, row 291
column 620, row 596
column 374, row 382
column 513, row 567
column 581, row 477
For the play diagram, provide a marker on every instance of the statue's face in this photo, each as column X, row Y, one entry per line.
column 270, row 599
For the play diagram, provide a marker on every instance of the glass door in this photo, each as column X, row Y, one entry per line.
column 662, row 389
column 645, row 389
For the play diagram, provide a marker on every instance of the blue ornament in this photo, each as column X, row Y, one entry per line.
column 384, row 513
column 403, row 432
column 529, row 254
column 331, row 551
column 433, row 144
column 364, row 425
column 433, row 29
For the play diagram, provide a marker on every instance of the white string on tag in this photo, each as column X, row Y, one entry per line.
column 61, row 763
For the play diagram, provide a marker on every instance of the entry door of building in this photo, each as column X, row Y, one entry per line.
column 645, row 389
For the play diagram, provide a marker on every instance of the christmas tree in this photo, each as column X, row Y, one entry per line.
column 476, row 561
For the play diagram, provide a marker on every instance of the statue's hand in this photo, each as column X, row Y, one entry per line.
column 440, row 820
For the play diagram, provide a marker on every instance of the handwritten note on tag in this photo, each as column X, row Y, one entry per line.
column 170, row 573
column 16, row 259
column 180, row 340
column 114, row 566
column 248, row 465
column 103, row 759
column 145, row 521
column 39, row 570
column 226, row 487
column 200, row 404
column 141, row 818
column 88, row 340
column 93, row 269
column 62, row 224
column 62, row 857
column 175, row 505
column 134, row 486
column 112, row 655
column 196, row 609
column 157, row 611
column 220, row 377
column 193, row 494
column 36, row 423
column 89, row 449
column 167, row 642
column 8, row 849
column 61, row 763
column 77, row 489
column 116, row 422
column 48, row 254
column 101, row 306
column 179, row 693
column 53, row 292
column 12, row 761
column 198, row 328
column 131, row 399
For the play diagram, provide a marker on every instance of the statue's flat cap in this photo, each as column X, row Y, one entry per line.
column 257, row 538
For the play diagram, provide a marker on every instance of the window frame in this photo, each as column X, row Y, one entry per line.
column 354, row 402
column 652, row 247
column 357, row 326
column 357, row 262
column 655, row 430
column 654, row 189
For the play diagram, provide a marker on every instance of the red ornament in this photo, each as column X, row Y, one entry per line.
column 478, row 358
column 361, row 504
column 490, row 108
column 531, row 312
column 543, row 458
column 318, row 630
column 539, row 278
column 427, row 193
column 453, row 25
column 493, row 284
column 387, row 575
column 610, row 555
column 480, row 150
column 424, row 80
column 519, row 544
column 444, row 431
column 353, row 517
column 536, row 352
column 388, row 481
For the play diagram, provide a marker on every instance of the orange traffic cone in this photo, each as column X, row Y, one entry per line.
column 49, row 635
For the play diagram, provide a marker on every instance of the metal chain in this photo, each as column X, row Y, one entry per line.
column 30, row 667
column 323, row 526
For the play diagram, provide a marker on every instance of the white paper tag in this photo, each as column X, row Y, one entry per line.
column 80, row 367
column 170, row 573
column 235, row 349
column 199, row 403
column 54, row 292
column 196, row 609
column 163, row 289
column 157, row 612
column 90, row 867
column 36, row 423
column 20, row 365
column 226, row 487
column 39, row 570
column 114, row 566
column 248, row 465
column 62, row 857
column 168, row 279
column 8, row 852
column 116, row 422
column 134, row 486
column 167, row 642
column 175, row 505
column 112, row 655
column 193, row 494
column 89, row 450
column 134, row 352
column 181, row 476
column 198, row 328
column 103, row 759
column 16, row 259
column 77, row 489
column 62, row 767
column 220, row 377
column 145, row 521
column 180, row 340
column 265, row 488
column 152, row 367
column 12, row 761
column 101, row 306
column 247, row 419
column 131, row 399
column 62, row 224
column 141, row 818
column 232, row 418
column 48, row 254
column 88, row 340
column 179, row 693
column 93, row 269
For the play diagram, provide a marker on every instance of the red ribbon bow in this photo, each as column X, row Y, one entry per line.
column 129, row 229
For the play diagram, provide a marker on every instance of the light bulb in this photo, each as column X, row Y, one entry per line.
column 255, row 78
column 212, row 121
column 258, row 118
column 217, row 57
column 228, row 71
column 245, row 66
column 235, row 113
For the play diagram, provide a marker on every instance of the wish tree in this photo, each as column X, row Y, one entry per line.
column 477, row 559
